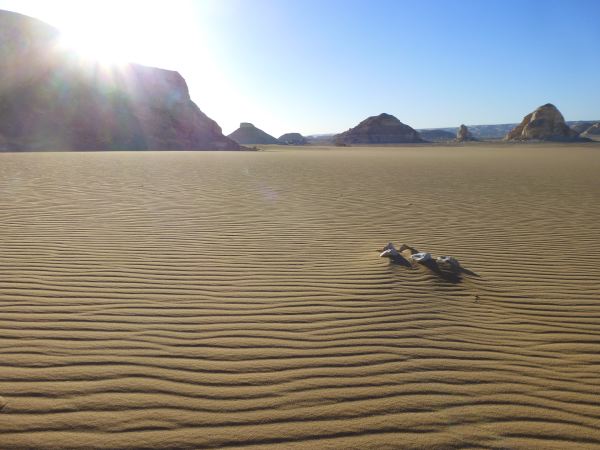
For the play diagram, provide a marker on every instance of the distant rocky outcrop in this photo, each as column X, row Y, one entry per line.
column 50, row 99
column 545, row 123
column 321, row 139
column 580, row 126
column 463, row 134
column 593, row 131
column 437, row 135
column 381, row 129
column 292, row 139
column 248, row 134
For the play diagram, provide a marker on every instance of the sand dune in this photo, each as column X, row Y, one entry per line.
column 190, row 300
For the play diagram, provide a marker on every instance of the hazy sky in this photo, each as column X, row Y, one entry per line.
column 322, row 66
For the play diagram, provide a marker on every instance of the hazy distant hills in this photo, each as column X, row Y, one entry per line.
column 437, row 135
column 448, row 134
column 51, row 100
column 496, row 131
column 480, row 132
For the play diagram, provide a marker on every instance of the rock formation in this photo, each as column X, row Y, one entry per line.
column 292, row 139
column 545, row 123
column 50, row 99
column 463, row 134
column 381, row 129
column 248, row 134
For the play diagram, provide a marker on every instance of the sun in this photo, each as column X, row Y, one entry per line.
column 94, row 47
column 115, row 32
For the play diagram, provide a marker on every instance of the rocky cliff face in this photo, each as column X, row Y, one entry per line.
column 463, row 134
column 545, row 123
column 248, row 134
column 381, row 129
column 52, row 100
column 292, row 139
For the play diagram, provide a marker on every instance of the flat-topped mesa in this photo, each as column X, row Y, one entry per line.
column 381, row 129
column 248, row 134
column 545, row 123
column 463, row 134
column 292, row 139
column 52, row 100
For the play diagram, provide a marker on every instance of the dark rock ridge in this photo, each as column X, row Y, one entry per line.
column 437, row 135
column 248, row 134
column 51, row 99
column 545, row 123
column 463, row 134
column 381, row 129
column 292, row 139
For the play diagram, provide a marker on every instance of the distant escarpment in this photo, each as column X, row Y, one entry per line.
column 292, row 139
column 248, row 134
column 545, row 123
column 580, row 126
column 593, row 131
column 50, row 99
column 463, row 134
column 436, row 135
column 381, row 129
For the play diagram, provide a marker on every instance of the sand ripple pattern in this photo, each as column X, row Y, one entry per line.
column 201, row 300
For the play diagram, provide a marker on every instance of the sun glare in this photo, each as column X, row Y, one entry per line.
column 126, row 31
column 94, row 47
column 169, row 34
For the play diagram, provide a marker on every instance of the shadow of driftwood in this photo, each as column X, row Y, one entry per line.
column 446, row 274
column 470, row 272
column 451, row 274
column 400, row 260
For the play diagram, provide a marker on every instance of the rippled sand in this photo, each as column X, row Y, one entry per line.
column 154, row 300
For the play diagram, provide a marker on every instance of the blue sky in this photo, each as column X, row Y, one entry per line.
column 322, row 66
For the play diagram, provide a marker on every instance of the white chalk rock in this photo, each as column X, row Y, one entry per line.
column 421, row 257
column 389, row 251
column 448, row 261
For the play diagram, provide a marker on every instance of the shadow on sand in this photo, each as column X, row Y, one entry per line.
column 451, row 275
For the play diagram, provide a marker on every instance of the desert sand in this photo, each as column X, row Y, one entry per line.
column 205, row 299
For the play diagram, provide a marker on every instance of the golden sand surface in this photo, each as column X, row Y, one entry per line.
column 207, row 299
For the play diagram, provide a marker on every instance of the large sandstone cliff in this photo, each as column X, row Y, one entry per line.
column 51, row 99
